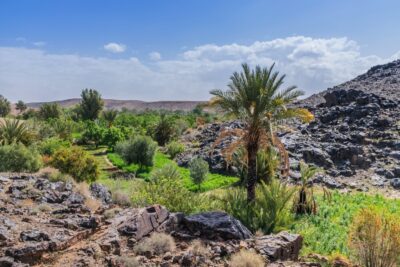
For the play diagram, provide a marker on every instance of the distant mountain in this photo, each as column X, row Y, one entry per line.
column 382, row 80
column 129, row 104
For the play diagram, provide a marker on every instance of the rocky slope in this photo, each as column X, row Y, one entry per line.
column 355, row 136
column 45, row 223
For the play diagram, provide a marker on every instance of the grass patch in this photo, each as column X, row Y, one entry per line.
column 212, row 181
column 327, row 232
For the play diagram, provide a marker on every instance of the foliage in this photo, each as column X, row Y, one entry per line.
column 49, row 146
column 77, row 163
column 165, row 188
column 14, row 131
column 156, row 244
column 267, row 164
column 269, row 212
column 254, row 98
column 29, row 114
column 175, row 148
column 164, row 130
column 93, row 133
column 198, row 170
column 90, row 105
column 246, row 258
column 62, row 127
column 305, row 201
column 213, row 180
column 18, row 158
column 109, row 116
column 5, row 106
column 327, row 231
column 50, row 111
column 139, row 150
column 112, row 136
column 375, row 238
column 20, row 106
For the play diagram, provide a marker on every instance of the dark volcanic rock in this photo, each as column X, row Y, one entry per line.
column 34, row 235
column 283, row 246
column 101, row 192
column 216, row 225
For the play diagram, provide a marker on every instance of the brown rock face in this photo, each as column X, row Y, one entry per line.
column 283, row 246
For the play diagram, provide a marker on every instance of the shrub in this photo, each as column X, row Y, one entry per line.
column 139, row 150
column 14, row 131
column 165, row 188
column 126, row 261
column 269, row 213
column 18, row 158
column 198, row 170
column 120, row 198
column 375, row 238
column 246, row 258
column 49, row 146
column 76, row 162
column 156, row 244
column 5, row 106
column 175, row 148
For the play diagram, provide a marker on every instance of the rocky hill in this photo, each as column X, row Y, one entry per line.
column 129, row 104
column 355, row 136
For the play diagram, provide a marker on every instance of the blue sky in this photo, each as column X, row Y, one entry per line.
column 166, row 50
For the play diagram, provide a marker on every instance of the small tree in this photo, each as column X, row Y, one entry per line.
column 198, row 170
column 21, row 106
column 139, row 150
column 112, row 136
column 91, row 104
column 77, row 163
column 50, row 111
column 93, row 134
column 5, row 106
column 164, row 130
column 109, row 116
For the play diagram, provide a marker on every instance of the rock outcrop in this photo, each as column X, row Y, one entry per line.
column 45, row 223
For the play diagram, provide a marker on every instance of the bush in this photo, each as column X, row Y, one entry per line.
column 120, row 198
column 77, row 163
column 198, row 170
column 129, row 261
column 375, row 238
column 51, row 145
column 18, row 158
column 139, row 150
column 156, row 244
column 164, row 130
column 165, row 188
column 246, row 258
column 269, row 213
column 50, row 111
column 175, row 148
column 93, row 134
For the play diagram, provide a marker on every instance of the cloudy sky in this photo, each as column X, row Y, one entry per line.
column 180, row 50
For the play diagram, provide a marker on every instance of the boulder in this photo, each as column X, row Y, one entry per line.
column 216, row 224
column 34, row 235
column 144, row 221
column 282, row 246
column 101, row 192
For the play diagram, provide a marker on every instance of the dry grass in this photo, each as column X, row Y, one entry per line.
column 109, row 214
column 375, row 238
column 156, row 244
column 199, row 249
column 127, row 261
column 92, row 203
column 246, row 258
column 121, row 198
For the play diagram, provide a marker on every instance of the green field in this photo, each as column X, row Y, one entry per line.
column 213, row 180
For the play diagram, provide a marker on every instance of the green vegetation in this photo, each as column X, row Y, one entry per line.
column 77, row 163
column 175, row 148
column 91, row 104
column 5, row 106
column 211, row 182
column 50, row 111
column 18, row 158
column 139, row 150
column 327, row 231
column 198, row 168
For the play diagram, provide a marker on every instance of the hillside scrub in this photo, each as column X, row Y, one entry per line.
column 139, row 150
column 19, row 158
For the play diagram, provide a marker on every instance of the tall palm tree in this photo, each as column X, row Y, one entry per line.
column 255, row 98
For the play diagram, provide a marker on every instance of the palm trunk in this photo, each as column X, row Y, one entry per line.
column 252, row 149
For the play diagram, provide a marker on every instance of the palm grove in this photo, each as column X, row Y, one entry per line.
column 143, row 146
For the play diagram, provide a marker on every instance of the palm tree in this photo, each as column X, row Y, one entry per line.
column 109, row 116
column 12, row 131
column 255, row 98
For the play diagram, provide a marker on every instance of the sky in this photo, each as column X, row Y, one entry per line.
column 181, row 49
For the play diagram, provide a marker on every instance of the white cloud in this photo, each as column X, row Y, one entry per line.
column 155, row 56
column 311, row 64
column 39, row 44
column 115, row 48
